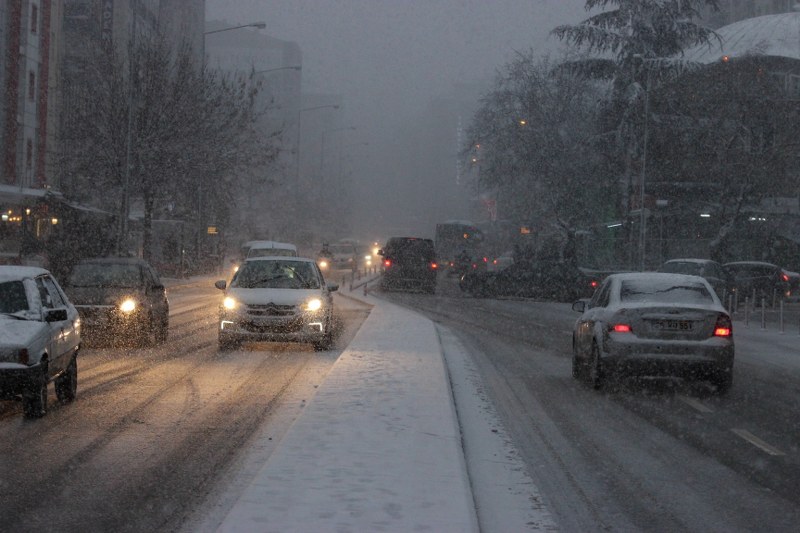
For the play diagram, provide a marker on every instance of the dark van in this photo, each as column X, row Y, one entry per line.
column 409, row 263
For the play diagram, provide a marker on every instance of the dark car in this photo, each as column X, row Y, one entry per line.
column 409, row 263
column 714, row 273
column 759, row 279
column 548, row 280
column 120, row 299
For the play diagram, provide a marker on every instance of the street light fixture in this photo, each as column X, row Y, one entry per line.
column 295, row 67
column 259, row 25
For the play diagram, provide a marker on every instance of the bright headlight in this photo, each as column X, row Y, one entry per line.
column 128, row 305
column 314, row 305
column 323, row 264
column 229, row 303
column 367, row 257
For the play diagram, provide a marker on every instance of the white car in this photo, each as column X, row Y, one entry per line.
column 39, row 339
column 653, row 323
column 277, row 299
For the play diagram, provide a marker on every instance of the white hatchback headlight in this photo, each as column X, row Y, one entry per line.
column 314, row 304
column 229, row 303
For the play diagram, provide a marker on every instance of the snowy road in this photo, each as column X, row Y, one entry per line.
column 153, row 431
column 646, row 455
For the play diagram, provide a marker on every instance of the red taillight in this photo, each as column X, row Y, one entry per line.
column 494, row 262
column 451, row 263
column 434, row 265
column 621, row 328
column 593, row 283
column 724, row 327
column 485, row 259
column 23, row 356
column 785, row 277
column 474, row 265
column 387, row 263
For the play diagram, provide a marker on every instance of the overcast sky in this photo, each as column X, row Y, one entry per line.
column 389, row 58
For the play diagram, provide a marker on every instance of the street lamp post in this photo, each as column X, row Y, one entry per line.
column 297, row 147
column 259, row 25
column 322, row 147
column 643, row 173
column 642, row 235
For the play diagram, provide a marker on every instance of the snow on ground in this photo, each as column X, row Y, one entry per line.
column 381, row 447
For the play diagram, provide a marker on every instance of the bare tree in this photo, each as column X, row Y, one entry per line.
column 536, row 146
column 156, row 127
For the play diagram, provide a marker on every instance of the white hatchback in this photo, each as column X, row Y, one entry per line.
column 277, row 299
column 39, row 339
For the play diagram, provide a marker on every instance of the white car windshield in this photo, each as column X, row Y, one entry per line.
column 276, row 275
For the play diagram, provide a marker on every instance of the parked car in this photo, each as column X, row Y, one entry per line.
column 714, row 273
column 548, row 280
column 40, row 336
column 281, row 299
column 271, row 248
column 793, row 278
column 759, row 278
column 654, row 324
column 120, row 300
column 409, row 263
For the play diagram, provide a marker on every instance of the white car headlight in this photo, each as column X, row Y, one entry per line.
column 128, row 305
column 314, row 305
column 229, row 303
column 323, row 264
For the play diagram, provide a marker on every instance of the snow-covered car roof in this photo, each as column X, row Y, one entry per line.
column 663, row 277
column 14, row 272
column 751, row 263
column 280, row 258
column 270, row 244
column 690, row 260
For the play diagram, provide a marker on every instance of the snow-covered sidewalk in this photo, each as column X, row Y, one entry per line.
column 377, row 449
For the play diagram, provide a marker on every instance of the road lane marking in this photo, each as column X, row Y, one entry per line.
column 691, row 402
column 755, row 441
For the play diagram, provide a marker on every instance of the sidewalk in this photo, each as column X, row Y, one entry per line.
column 377, row 449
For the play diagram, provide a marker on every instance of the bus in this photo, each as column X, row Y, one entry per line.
column 456, row 236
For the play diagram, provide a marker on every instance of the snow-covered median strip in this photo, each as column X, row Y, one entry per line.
column 377, row 449
column 505, row 496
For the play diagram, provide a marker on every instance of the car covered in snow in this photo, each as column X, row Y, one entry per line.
column 40, row 336
column 653, row 324
column 283, row 299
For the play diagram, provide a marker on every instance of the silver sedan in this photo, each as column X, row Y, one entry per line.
column 653, row 324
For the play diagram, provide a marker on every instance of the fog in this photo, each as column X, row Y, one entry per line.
column 408, row 72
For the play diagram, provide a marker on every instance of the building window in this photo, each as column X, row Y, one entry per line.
column 31, row 85
column 34, row 18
